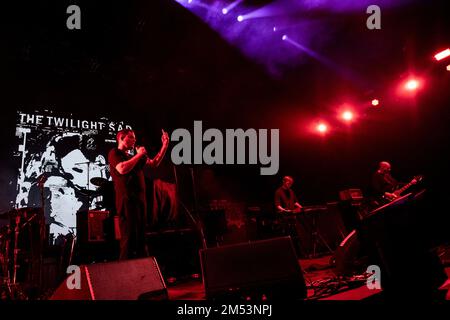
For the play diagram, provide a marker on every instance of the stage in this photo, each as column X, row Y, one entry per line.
column 196, row 150
column 319, row 270
column 320, row 278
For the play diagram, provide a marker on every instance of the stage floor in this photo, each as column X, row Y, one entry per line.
column 315, row 271
column 320, row 278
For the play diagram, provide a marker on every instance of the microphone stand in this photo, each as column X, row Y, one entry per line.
column 88, row 163
column 197, row 224
column 42, row 228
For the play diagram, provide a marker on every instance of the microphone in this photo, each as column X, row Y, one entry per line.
column 135, row 152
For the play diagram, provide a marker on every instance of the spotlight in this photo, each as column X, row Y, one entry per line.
column 284, row 37
column 190, row 1
column 411, row 85
column 240, row 18
column 274, row 29
column 322, row 127
column 375, row 102
column 231, row 6
column 448, row 67
column 347, row 115
column 442, row 55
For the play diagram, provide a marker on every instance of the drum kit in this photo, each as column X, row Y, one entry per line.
column 22, row 237
column 103, row 197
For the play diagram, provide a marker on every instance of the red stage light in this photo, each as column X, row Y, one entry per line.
column 412, row 85
column 442, row 55
column 347, row 115
column 375, row 102
column 322, row 127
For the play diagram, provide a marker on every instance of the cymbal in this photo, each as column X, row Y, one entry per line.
column 98, row 181
column 98, row 163
column 89, row 193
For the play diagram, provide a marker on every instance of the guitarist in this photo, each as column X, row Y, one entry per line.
column 384, row 185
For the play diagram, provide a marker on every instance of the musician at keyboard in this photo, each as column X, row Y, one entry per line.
column 287, row 207
column 285, row 199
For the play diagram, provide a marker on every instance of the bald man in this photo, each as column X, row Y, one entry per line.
column 383, row 183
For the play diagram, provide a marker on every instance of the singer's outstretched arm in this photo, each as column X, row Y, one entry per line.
column 158, row 158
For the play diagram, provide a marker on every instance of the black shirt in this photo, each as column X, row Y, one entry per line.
column 285, row 198
column 129, row 186
column 383, row 182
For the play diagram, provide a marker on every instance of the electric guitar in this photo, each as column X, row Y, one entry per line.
column 397, row 193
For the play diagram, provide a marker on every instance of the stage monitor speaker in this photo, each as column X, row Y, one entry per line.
column 256, row 269
column 351, row 195
column 138, row 279
column 348, row 258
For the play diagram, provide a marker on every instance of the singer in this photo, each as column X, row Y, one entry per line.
column 129, row 184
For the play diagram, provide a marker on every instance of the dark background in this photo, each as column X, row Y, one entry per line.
column 156, row 65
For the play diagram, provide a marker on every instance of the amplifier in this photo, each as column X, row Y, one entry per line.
column 91, row 225
column 351, row 194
